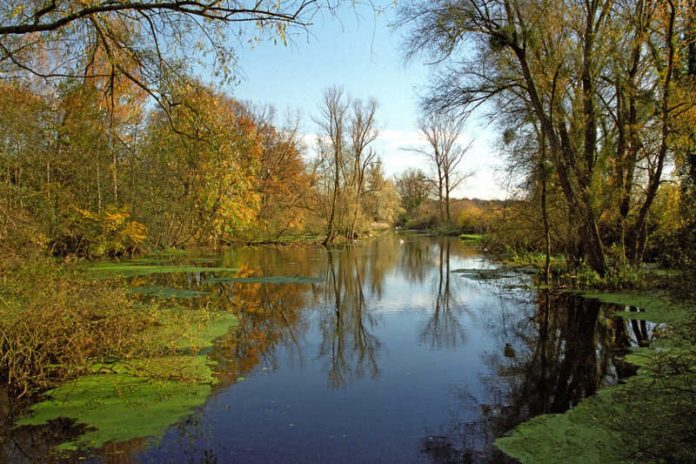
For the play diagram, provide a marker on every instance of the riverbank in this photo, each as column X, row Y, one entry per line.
column 648, row 417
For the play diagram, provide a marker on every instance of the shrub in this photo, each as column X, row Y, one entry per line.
column 54, row 323
column 85, row 233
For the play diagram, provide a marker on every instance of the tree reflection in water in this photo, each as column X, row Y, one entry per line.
column 346, row 323
column 562, row 352
column 497, row 353
column 444, row 329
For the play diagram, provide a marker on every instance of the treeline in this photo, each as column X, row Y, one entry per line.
column 91, row 171
column 423, row 209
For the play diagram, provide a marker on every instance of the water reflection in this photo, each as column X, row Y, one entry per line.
column 347, row 324
column 444, row 329
column 560, row 352
column 387, row 355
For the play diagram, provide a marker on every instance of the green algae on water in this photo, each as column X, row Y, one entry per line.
column 577, row 436
column 129, row 269
column 654, row 308
column 485, row 274
column 166, row 292
column 118, row 407
column 267, row 280
column 142, row 397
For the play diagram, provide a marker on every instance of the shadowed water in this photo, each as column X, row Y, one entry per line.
column 387, row 351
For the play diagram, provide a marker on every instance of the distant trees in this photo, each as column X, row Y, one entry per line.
column 413, row 187
column 607, row 97
column 202, row 188
column 284, row 181
column 108, row 143
column 78, row 178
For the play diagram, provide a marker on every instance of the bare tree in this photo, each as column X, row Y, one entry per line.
column 600, row 95
column 363, row 132
column 445, row 154
column 332, row 145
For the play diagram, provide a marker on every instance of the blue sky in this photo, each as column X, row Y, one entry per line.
column 357, row 50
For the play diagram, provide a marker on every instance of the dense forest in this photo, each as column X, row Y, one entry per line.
column 120, row 139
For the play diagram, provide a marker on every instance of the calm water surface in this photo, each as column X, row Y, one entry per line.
column 390, row 354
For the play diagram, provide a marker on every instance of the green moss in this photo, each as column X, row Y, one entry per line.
column 578, row 436
column 127, row 399
column 268, row 280
column 654, row 307
column 166, row 292
column 118, row 407
column 129, row 269
column 471, row 237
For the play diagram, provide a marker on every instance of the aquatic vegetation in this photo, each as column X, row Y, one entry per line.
column 118, row 407
column 485, row 274
column 654, row 307
column 576, row 436
column 646, row 419
column 267, row 280
column 471, row 237
column 128, row 269
column 166, row 292
column 141, row 397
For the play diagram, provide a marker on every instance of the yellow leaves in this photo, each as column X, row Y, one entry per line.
column 17, row 11
column 113, row 221
column 134, row 232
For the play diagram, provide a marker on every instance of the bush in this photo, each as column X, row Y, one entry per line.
column 84, row 233
column 54, row 323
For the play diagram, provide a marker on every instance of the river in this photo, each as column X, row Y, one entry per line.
column 392, row 350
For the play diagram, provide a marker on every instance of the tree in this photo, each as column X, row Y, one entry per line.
column 203, row 187
column 284, row 184
column 445, row 155
column 413, row 187
column 381, row 201
column 332, row 145
column 362, row 133
column 604, row 104
column 144, row 41
column 347, row 128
